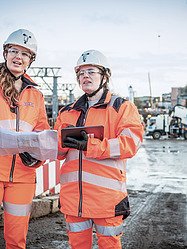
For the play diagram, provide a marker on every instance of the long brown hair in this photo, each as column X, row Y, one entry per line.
column 7, row 84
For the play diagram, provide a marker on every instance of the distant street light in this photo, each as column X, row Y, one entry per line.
column 150, row 91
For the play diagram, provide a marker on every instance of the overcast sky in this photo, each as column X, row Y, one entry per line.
column 137, row 36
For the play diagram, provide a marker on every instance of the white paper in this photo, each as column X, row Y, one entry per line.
column 40, row 145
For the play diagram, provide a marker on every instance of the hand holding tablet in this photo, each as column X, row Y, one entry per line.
column 75, row 132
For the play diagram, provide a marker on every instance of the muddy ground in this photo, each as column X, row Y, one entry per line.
column 157, row 185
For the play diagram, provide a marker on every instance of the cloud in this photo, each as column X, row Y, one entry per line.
column 107, row 19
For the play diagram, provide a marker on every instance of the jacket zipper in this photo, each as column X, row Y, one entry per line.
column 14, row 156
column 80, row 172
column 80, row 175
column 80, row 184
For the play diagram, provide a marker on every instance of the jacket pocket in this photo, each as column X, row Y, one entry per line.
column 123, row 208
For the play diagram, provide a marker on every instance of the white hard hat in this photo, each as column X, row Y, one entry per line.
column 24, row 38
column 95, row 58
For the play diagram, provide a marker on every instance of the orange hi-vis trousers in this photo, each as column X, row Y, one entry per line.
column 17, row 200
column 80, row 230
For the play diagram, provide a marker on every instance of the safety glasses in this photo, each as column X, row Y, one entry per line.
column 90, row 72
column 14, row 52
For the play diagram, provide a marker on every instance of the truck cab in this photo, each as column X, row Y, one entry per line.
column 158, row 126
column 173, row 124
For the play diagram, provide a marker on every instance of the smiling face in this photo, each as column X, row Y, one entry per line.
column 89, row 78
column 17, row 59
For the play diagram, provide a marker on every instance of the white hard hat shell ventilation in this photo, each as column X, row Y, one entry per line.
column 95, row 58
column 24, row 38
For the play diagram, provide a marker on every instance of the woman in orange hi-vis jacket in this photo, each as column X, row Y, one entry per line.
column 93, row 190
column 21, row 109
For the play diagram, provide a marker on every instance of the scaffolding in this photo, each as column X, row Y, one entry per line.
column 47, row 79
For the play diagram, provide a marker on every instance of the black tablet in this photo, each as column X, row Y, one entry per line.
column 96, row 131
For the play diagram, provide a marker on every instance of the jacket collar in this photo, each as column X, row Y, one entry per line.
column 82, row 102
column 27, row 82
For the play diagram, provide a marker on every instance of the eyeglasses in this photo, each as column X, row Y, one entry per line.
column 89, row 72
column 14, row 52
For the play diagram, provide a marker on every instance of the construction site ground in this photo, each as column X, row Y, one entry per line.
column 157, row 186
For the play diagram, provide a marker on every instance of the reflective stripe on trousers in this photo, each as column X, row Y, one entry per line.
column 17, row 201
column 79, row 226
column 104, row 230
column 17, row 209
column 108, row 231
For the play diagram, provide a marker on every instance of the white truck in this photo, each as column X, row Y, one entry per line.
column 173, row 125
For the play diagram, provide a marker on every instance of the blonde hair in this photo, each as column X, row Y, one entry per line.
column 7, row 84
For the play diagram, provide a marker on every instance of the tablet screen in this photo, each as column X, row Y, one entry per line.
column 95, row 131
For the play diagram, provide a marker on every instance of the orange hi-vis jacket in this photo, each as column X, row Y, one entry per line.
column 103, row 176
column 29, row 115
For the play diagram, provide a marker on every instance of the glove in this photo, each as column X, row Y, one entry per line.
column 79, row 144
column 28, row 160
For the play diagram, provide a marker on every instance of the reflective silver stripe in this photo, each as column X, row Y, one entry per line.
column 113, row 98
column 24, row 126
column 8, row 124
column 95, row 180
column 109, row 231
column 11, row 125
column 17, row 209
column 116, row 164
column 79, row 226
column 114, row 148
column 129, row 133
column 69, row 177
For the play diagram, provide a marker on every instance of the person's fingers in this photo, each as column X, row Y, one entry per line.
column 71, row 139
column 84, row 134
